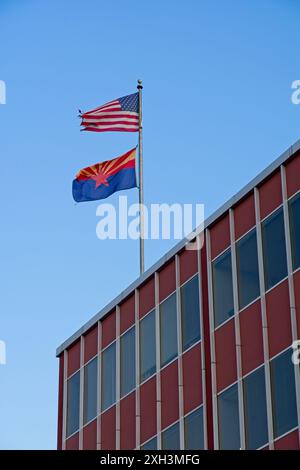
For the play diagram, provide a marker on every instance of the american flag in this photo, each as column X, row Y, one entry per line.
column 117, row 115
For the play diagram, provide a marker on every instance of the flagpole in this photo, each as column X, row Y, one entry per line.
column 141, row 182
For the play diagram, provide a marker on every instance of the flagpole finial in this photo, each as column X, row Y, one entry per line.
column 139, row 86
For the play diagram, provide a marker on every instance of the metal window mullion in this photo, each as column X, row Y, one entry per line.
column 179, row 347
column 81, row 395
column 157, row 342
column 237, row 332
column 99, row 393
column 137, row 371
column 203, row 370
column 264, row 319
column 212, row 343
column 118, row 379
column 287, row 231
column 65, row 399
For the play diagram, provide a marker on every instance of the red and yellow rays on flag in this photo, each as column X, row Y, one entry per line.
column 101, row 171
column 103, row 179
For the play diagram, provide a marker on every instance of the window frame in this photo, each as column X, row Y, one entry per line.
column 245, row 378
column 194, row 341
column 231, row 386
column 68, row 381
column 95, row 358
column 263, row 222
column 164, row 363
column 199, row 408
column 141, row 379
column 102, row 407
column 167, row 429
column 148, row 442
column 128, row 331
column 273, row 404
column 244, row 237
column 294, row 250
column 219, row 322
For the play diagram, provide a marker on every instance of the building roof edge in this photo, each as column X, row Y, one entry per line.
column 179, row 246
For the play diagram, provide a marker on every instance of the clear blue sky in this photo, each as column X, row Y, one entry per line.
column 217, row 110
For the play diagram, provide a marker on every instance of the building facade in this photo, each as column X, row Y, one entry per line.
column 197, row 352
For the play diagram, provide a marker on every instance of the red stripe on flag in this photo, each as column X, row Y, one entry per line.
column 108, row 123
column 107, row 129
column 110, row 116
column 110, row 104
column 102, row 112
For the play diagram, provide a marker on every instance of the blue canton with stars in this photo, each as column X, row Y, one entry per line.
column 130, row 103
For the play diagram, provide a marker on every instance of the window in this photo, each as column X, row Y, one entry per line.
column 150, row 445
column 273, row 238
column 283, row 393
column 170, row 438
column 147, row 346
column 247, row 269
column 73, row 393
column 168, row 330
column 127, row 352
column 294, row 210
column 108, row 377
column 190, row 313
column 90, row 391
column 256, row 422
column 222, row 287
column 229, row 426
column 193, row 430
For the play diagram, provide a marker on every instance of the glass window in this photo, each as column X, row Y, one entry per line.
column 294, row 210
column 108, row 377
column 222, row 287
column 256, row 422
column 190, row 313
column 150, row 445
column 273, row 238
column 283, row 393
column 73, row 393
column 247, row 269
column 193, row 430
column 229, row 426
column 168, row 330
column 127, row 352
column 147, row 346
column 90, row 391
column 170, row 438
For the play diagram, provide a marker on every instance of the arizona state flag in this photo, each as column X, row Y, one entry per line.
column 103, row 179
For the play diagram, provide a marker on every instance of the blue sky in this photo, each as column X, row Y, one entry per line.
column 217, row 109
